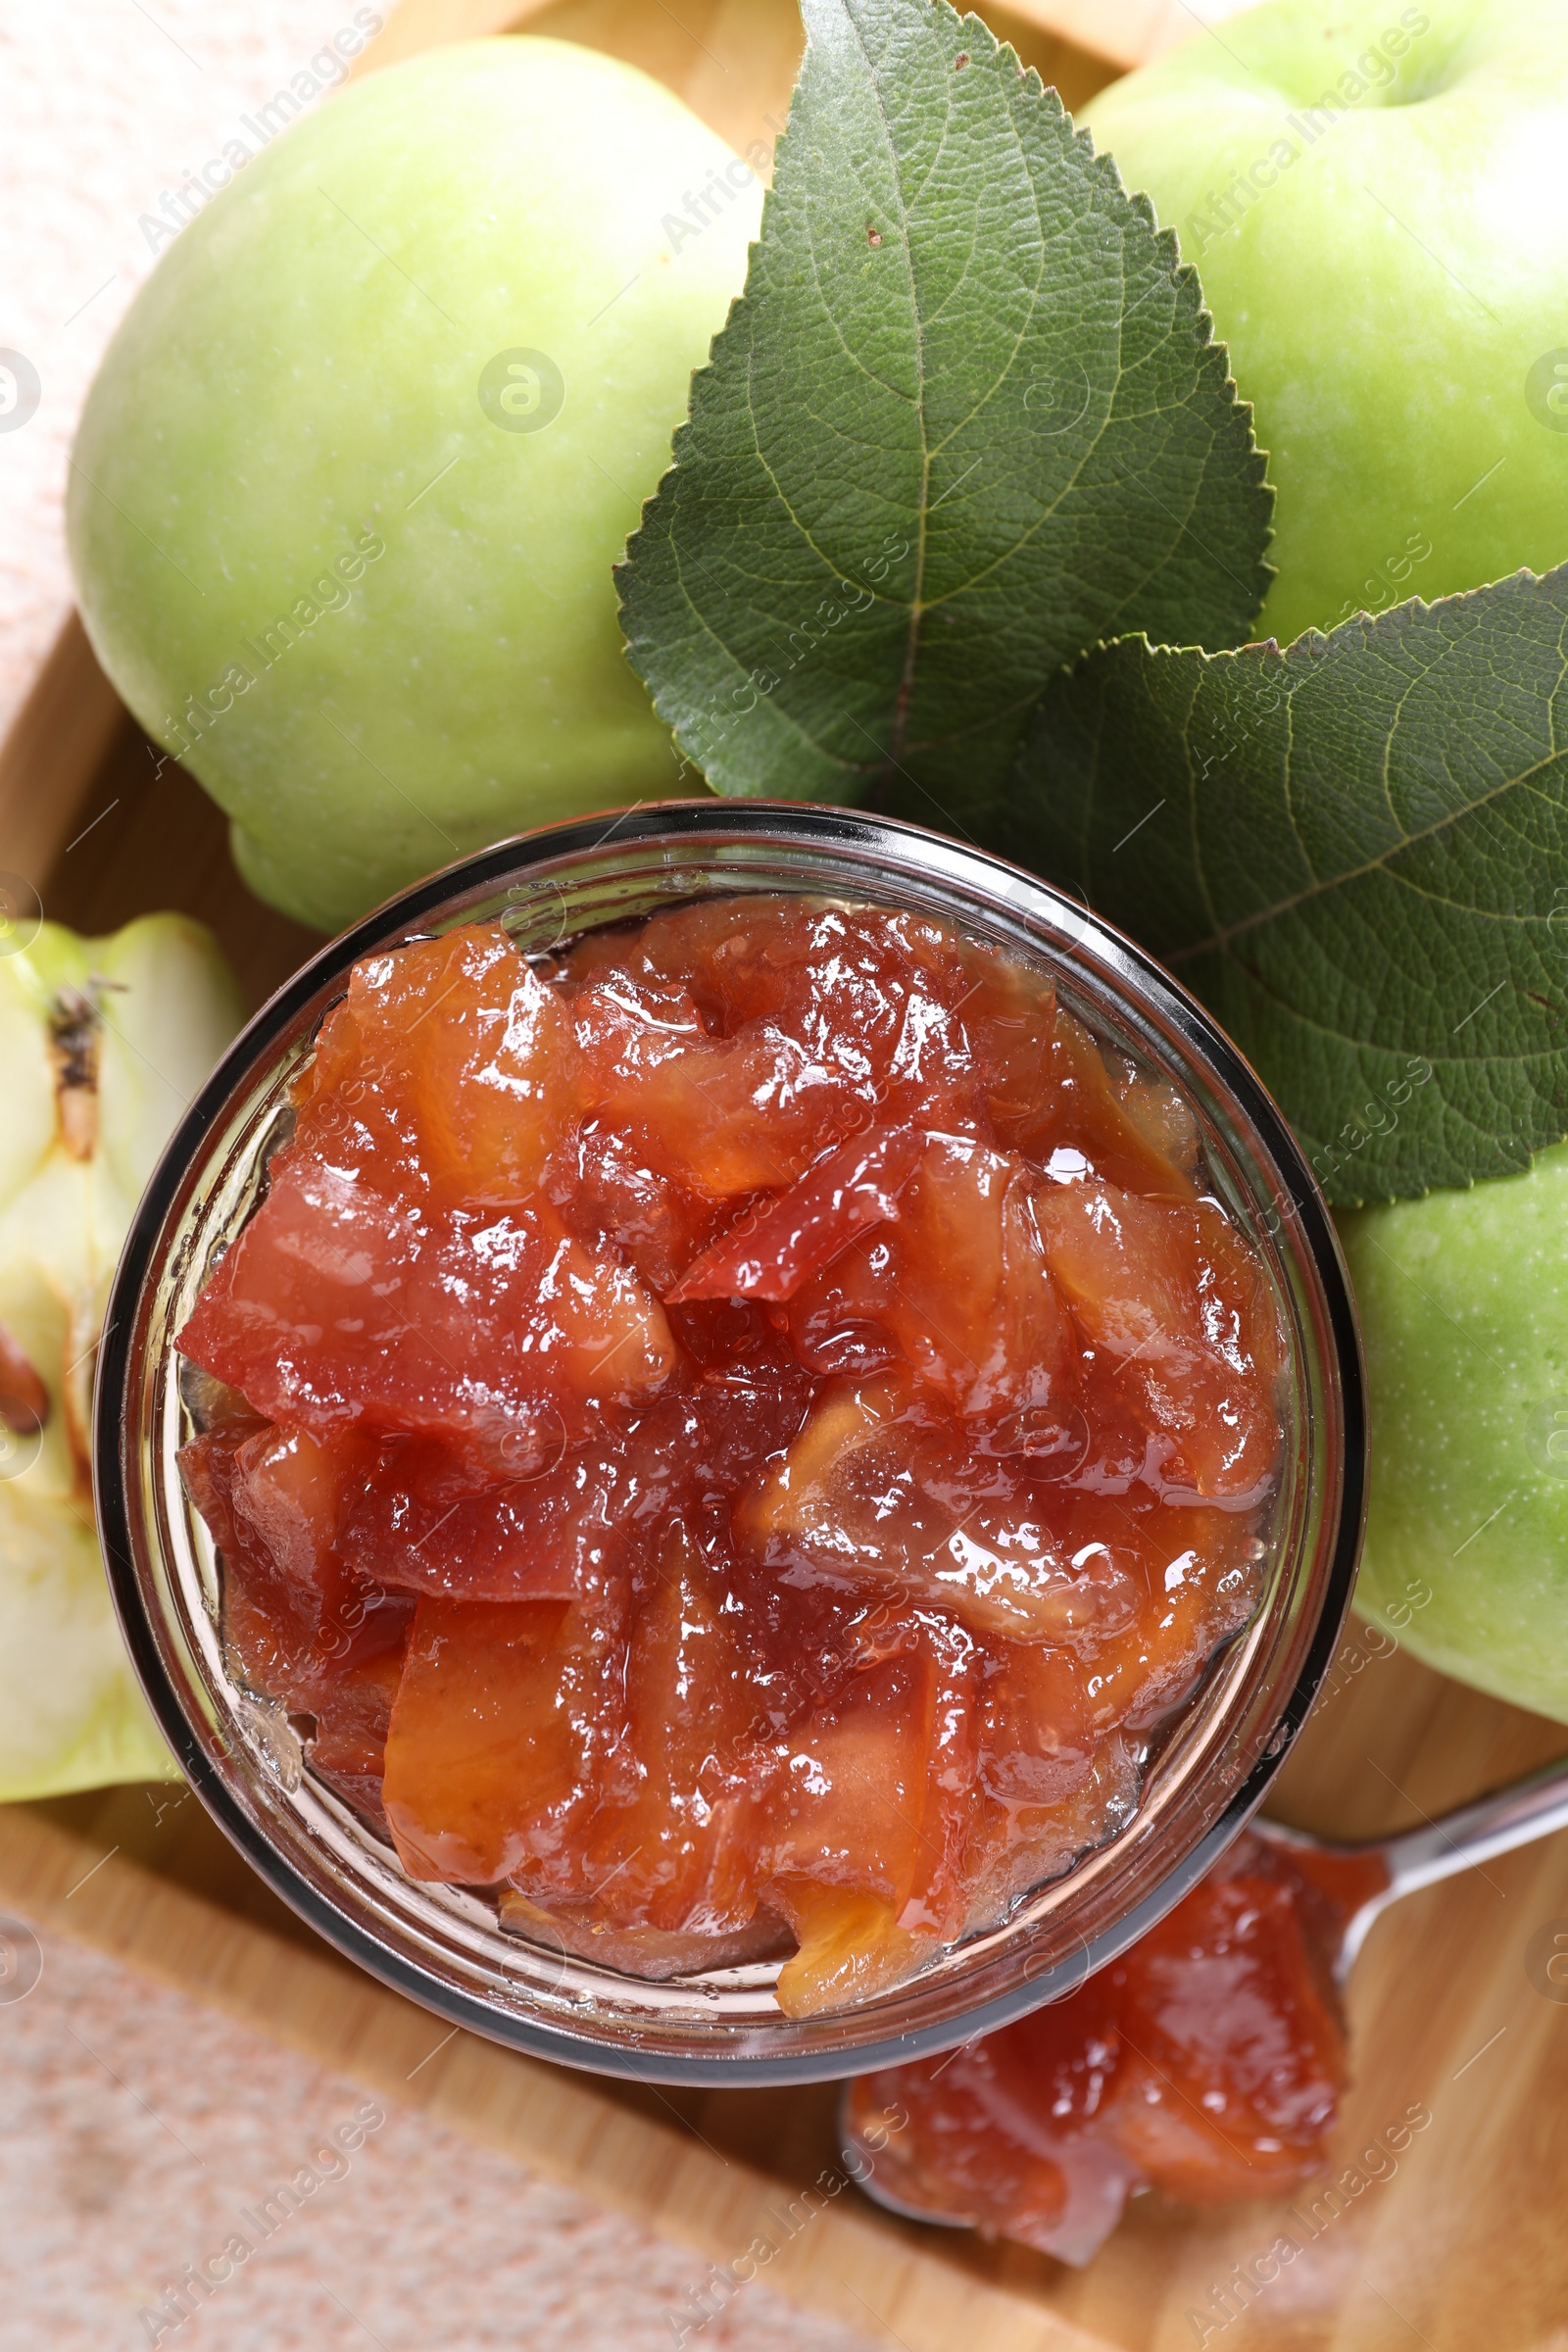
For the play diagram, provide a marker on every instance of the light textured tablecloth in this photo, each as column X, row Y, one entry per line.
column 136, row 2126
column 140, row 2134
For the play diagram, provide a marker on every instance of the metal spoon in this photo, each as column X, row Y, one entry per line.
column 1390, row 1867
column 1362, row 1881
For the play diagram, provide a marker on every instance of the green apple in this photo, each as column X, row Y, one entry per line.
column 1464, row 1310
column 1376, row 197
column 102, row 1043
column 350, row 484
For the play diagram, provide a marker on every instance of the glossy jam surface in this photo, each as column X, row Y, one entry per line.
column 735, row 1436
column 1206, row 2063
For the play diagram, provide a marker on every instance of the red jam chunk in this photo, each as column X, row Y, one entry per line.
column 735, row 1436
column 1206, row 2063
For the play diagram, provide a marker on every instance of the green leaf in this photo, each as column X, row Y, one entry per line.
column 1357, row 854
column 967, row 419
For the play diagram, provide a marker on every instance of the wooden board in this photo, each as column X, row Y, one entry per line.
column 1465, row 2234
column 1462, row 2237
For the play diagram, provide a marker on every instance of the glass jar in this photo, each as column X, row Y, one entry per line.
column 443, row 1945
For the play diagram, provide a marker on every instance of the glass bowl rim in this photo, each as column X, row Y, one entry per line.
column 824, row 828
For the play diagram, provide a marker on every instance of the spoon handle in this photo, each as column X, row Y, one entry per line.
column 1494, row 1825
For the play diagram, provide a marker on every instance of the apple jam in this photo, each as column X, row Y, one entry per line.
column 736, row 1434
column 1207, row 2062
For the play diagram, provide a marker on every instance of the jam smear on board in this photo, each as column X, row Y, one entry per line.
column 1207, row 2062
column 736, row 1434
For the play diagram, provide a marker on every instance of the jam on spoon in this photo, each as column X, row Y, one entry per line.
column 1207, row 2062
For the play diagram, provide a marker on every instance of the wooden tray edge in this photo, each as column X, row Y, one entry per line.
column 52, row 753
